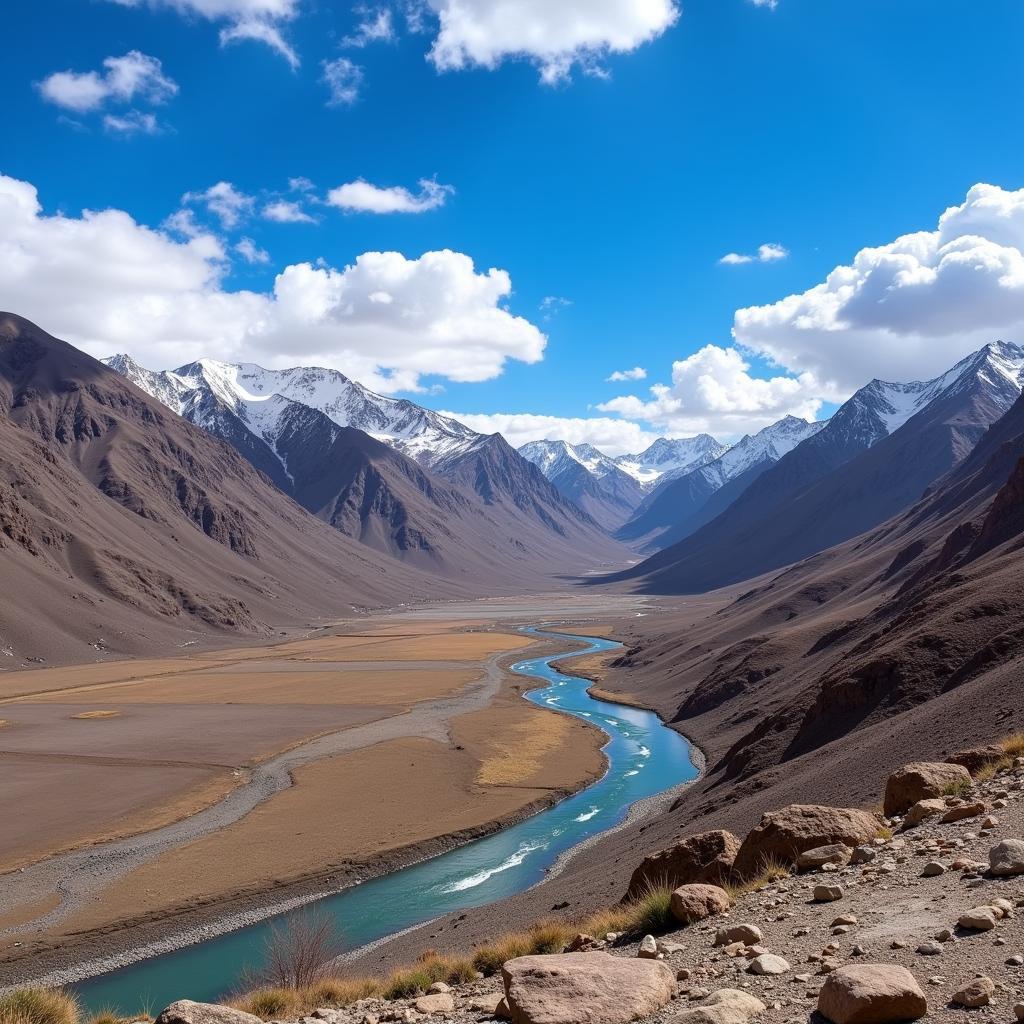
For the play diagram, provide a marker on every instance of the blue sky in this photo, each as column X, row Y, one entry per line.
column 821, row 128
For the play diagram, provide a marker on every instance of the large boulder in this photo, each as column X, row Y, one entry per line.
column 185, row 1011
column 1007, row 858
column 691, row 903
column 704, row 858
column 922, row 781
column 871, row 994
column 594, row 987
column 783, row 835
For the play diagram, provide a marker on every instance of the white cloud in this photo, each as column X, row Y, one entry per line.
column 134, row 122
column 224, row 200
column 107, row 283
column 251, row 252
column 343, row 79
column 552, row 305
column 362, row 197
column 612, row 436
column 713, row 390
column 770, row 252
column 375, row 27
column 637, row 373
column 556, row 36
column 284, row 211
column 770, row 4
column 258, row 20
column 133, row 77
column 907, row 310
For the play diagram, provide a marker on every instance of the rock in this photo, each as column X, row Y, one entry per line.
column 843, row 919
column 944, row 935
column 921, row 781
column 185, row 1011
column 748, row 934
column 583, row 943
column 977, row 757
column 930, row 948
column 726, row 1006
column 595, row 987
column 692, row 903
column 501, row 1011
column 976, row 993
column 648, row 948
column 836, row 853
column 962, row 811
column 871, row 994
column 783, row 835
column 487, row 1004
column 933, row 868
column 438, row 1002
column 827, row 893
column 923, row 810
column 438, row 986
column 1015, row 961
column 1019, row 1010
column 980, row 919
column 769, row 963
column 1007, row 858
column 706, row 858
column 863, row 855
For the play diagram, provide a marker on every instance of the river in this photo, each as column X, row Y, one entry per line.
column 644, row 758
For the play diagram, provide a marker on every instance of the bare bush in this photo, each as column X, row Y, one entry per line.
column 299, row 950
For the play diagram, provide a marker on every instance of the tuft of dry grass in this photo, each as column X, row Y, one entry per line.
column 957, row 788
column 1013, row 745
column 269, row 1003
column 772, row 869
column 89, row 715
column 884, row 833
column 36, row 1005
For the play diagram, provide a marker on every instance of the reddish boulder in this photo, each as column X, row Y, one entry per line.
column 704, row 859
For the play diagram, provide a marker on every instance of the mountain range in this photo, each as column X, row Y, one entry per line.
column 402, row 479
column 877, row 455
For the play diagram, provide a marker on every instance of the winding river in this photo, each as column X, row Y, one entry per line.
column 644, row 759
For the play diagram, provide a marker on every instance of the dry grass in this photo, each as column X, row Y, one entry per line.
column 35, row 1005
column 89, row 715
column 772, row 869
column 957, row 788
column 884, row 833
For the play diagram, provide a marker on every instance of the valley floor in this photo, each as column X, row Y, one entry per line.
column 173, row 793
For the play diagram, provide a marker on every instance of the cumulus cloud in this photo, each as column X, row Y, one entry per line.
column 107, row 283
column 223, row 200
column 135, row 77
column 909, row 309
column 637, row 373
column 362, row 197
column 554, row 36
column 286, row 211
column 258, row 20
column 612, row 436
column 344, row 81
column 714, row 391
column 770, row 252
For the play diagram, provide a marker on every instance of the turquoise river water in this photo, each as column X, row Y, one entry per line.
column 644, row 758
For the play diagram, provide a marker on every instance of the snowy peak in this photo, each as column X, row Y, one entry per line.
column 767, row 445
column 258, row 396
column 552, row 458
column 667, row 459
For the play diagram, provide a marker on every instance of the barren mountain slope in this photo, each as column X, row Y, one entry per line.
column 125, row 527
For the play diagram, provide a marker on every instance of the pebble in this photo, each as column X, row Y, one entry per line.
column 1016, row 960
column 930, row 948
column 932, row 869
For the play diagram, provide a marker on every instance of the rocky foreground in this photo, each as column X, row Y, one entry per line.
column 876, row 918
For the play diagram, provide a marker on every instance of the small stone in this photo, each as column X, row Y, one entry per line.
column 648, row 948
column 844, row 919
column 858, row 951
column 439, row 1002
column 980, row 919
column 827, row 893
column 1007, row 858
column 1019, row 1011
column 748, row 934
column 1004, row 905
column 962, row 811
column 438, row 986
column 863, row 855
column 944, row 935
column 899, row 944
column 823, row 856
column 932, row 869
column 930, row 948
column 1015, row 961
column 769, row 963
column 841, row 929
column 976, row 993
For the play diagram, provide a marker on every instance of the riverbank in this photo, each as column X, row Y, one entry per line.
column 479, row 741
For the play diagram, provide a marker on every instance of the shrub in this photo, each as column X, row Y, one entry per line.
column 652, row 910
column 36, row 1005
column 299, row 951
column 270, row 1003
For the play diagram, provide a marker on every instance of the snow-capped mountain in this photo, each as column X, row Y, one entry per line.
column 668, row 458
column 877, row 455
column 587, row 477
column 419, row 486
column 681, row 505
column 259, row 397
